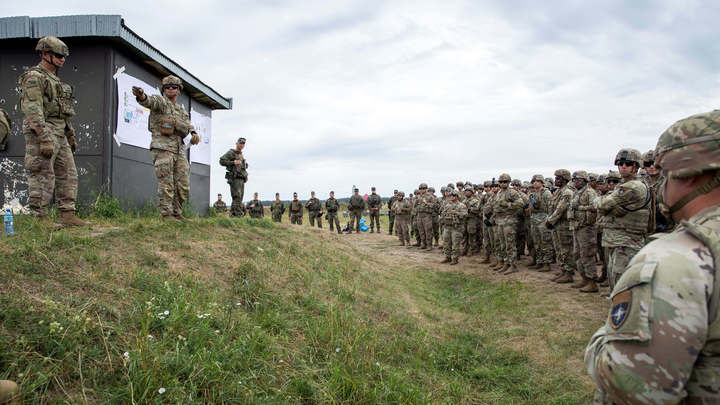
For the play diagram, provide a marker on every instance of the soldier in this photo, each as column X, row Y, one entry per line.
column 391, row 212
column 48, row 106
column 522, row 237
column 472, row 222
column 659, row 221
column 627, row 213
column 356, row 205
column 402, row 208
column 277, row 209
column 452, row 217
column 220, row 206
column 374, row 203
column 169, row 124
column 5, row 125
column 236, row 176
column 460, row 187
column 332, row 206
column 435, row 217
column 581, row 216
column 314, row 208
column 414, row 219
column 540, row 202
column 425, row 210
column 295, row 211
column 255, row 208
column 609, row 183
column 508, row 203
column 487, row 239
column 490, row 222
column 9, row 393
column 558, row 223
column 659, row 343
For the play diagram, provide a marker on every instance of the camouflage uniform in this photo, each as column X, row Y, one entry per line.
column 374, row 203
column 48, row 106
column 402, row 210
column 508, row 203
column 425, row 207
column 522, row 237
column 295, row 211
column 414, row 219
column 581, row 215
column 472, row 226
column 391, row 213
column 452, row 216
column 557, row 220
column 5, row 125
column 220, row 206
column 659, row 343
column 332, row 206
column 435, row 216
column 356, row 205
column 487, row 228
column 540, row 203
column 277, row 209
column 314, row 208
column 236, row 176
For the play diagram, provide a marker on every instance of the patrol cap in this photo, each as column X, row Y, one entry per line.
column 241, row 140
column 332, row 192
column 395, row 191
column 372, row 188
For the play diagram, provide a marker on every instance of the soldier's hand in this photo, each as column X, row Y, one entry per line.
column 548, row 225
column 46, row 148
column 194, row 139
column 138, row 92
column 73, row 143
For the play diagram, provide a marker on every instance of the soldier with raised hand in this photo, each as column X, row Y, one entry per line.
column 356, row 205
column 236, row 176
column 627, row 212
column 452, row 217
column 557, row 222
column 374, row 203
column 295, row 210
column 48, row 106
column 219, row 205
column 277, row 209
column 255, row 207
column 314, row 208
column 169, row 124
column 332, row 206
column 659, row 343
column 391, row 212
column 472, row 223
column 540, row 202
column 581, row 216
column 402, row 208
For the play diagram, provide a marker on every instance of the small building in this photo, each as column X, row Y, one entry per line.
column 106, row 59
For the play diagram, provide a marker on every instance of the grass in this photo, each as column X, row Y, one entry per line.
column 239, row 310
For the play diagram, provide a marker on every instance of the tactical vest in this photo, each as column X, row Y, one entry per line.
column 295, row 206
column 58, row 97
column 331, row 205
column 402, row 207
column 632, row 218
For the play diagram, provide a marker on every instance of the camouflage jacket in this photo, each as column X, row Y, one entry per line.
column 356, row 203
column 313, row 204
column 627, row 213
column 277, row 208
column 508, row 203
column 332, row 205
column 374, row 202
column 559, row 205
column 4, row 128
column 453, row 213
column 659, row 344
column 488, row 212
column 402, row 208
column 220, row 206
column 390, row 203
column 47, row 104
column 474, row 207
column 296, row 207
column 163, row 112
column 234, row 171
column 255, row 209
column 426, row 203
column 582, row 212
column 437, row 204
column 540, row 202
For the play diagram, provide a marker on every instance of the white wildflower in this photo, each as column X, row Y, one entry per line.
column 161, row 391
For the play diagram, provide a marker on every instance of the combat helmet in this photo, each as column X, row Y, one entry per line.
column 487, row 183
column 580, row 174
column 450, row 186
column 563, row 174
column 504, row 177
column 443, row 189
column 431, row 189
column 629, row 155
column 525, row 184
column 401, row 193
column 172, row 80
column 613, row 175
column 601, row 178
column 538, row 177
column 593, row 177
column 516, row 183
column 422, row 186
column 648, row 158
column 52, row 44
column 460, row 184
column 469, row 188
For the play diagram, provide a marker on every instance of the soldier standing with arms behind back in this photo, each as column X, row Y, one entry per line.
column 581, row 216
column 356, row 205
column 48, row 106
column 236, row 176
column 332, row 206
column 402, row 208
column 314, row 210
column 295, row 211
column 374, row 203
column 540, row 200
column 277, row 209
column 659, row 344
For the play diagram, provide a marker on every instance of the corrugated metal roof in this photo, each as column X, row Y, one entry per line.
column 112, row 26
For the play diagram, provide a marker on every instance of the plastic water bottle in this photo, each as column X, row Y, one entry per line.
column 9, row 229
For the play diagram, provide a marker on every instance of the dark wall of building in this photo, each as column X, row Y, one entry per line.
column 200, row 173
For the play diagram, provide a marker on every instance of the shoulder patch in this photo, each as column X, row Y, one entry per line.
column 621, row 308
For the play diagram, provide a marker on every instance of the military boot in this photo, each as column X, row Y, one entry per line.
column 372, row 230
column 565, row 278
column 495, row 264
column 504, row 268
column 402, row 243
column 513, row 269
column 454, row 261
column 170, row 218
column 580, row 283
column 43, row 220
column 8, row 392
column 181, row 218
column 447, row 259
column 485, row 259
column 417, row 244
column 532, row 263
column 590, row 287
column 68, row 218
column 558, row 276
column 544, row 268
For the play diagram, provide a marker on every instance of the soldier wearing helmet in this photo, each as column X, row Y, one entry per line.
column 391, row 212
column 659, row 220
column 425, row 208
column 523, row 239
column 452, row 217
column 435, row 217
column 627, row 213
column 582, row 216
column 540, row 200
column 402, row 209
column 507, row 206
column 374, row 203
column 558, row 223
column 48, row 106
column 472, row 222
column 663, row 326
column 169, row 124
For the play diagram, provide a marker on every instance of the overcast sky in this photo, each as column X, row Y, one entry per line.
column 391, row 93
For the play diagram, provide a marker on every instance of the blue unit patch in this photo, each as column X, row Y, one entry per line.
column 620, row 309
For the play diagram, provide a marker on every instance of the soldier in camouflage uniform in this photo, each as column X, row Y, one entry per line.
column 496, row 257
column 581, row 216
column 435, row 217
column 486, row 237
column 472, row 223
column 608, row 185
column 522, row 237
column 314, row 208
column 169, row 124
column 295, row 210
column 48, row 107
column 374, row 203
column 414, row 219
column 626, row 212
column 659, row 343
column 659, row 220
column 236, row 176
column 332, row 206
column 452, row 217
column 255, row 208
column 219, row 205
column 277, row 209
column 9, row 393
column 425, row 209
column 558, row 223
column 507, row 206
column 391, row 212
column 5, row 125
column 356, row 205
column 540, row 202
column 402, row 208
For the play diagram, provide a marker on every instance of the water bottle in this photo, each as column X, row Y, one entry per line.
column 9, row 229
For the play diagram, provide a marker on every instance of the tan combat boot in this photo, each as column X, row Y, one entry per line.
column 565, row 278
column 447, row 259
column 68, row 218
column 532, row 263
column 513, row 269
column 590, row 287
column 454, row 261
column 504, row 268
column 170, row 218
column 544, row 268
column 43, row 220
column 181, row 218
column 485, row 259
column 558, row 276
column 580, row 283
column 8, row 392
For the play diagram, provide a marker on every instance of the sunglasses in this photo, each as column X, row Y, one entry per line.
column 647, row 164
column 612, row 182
column 171, row 86
column 503, row 182
column 625, row 163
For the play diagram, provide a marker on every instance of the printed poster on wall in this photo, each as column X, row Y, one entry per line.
column 200, row 153
column 132, row 118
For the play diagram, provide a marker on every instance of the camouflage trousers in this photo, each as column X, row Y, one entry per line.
column 529, row 240
column 472, row 227
column 391, row 223
column 584, row 251
column 332, row 218
column 314, row 216
column 618, row 258
column 237, row 191
column 542, row 240
column 436, row 226
column 498, row 245
column 355, row 216
column 563, row 244
column 44, row 175
column 401, row 223
column 424, row 220
column 277, row 217
column 488, row 240
column 521, row 240
column 415, row 232
column 296, row 218
column 375, row 220
column 507, row 228
column 452, row 241
column 173, row 176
